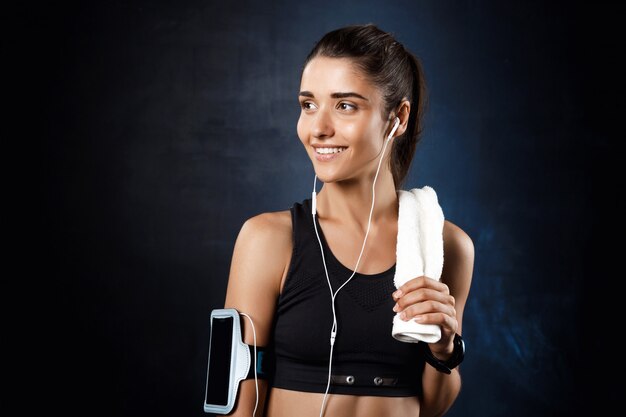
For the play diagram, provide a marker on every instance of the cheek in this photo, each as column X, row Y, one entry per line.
column 301, row 129
column 361, row 137
column 355, row 133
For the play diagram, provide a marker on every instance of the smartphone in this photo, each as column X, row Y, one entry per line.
column 223, row 373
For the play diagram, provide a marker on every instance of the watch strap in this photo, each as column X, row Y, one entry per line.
column 458, row 354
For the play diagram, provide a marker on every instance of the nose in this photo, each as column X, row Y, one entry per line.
column 322, row 125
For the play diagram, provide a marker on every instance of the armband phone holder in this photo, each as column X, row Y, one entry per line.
column 229, row 362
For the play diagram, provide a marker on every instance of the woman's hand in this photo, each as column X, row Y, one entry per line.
column 428, row 301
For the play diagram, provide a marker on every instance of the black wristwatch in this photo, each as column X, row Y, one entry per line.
column 448, row 365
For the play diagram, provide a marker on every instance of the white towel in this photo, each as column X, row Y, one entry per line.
column 419, row 252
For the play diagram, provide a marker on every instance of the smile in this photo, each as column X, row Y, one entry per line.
column 326, row 151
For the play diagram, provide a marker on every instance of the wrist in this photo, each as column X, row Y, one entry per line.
column 443, row 354
column 442, row 364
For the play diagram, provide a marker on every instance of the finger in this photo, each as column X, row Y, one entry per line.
column 424, row 294
column 448, row 323
column 424, row 309
column 420, row 282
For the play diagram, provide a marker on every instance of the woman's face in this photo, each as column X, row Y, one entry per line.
column 341, row 123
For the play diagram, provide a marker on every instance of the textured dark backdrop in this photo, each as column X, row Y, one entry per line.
column 167, row 124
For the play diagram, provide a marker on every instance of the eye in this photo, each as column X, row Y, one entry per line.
column 307, row 105
column 347, row 107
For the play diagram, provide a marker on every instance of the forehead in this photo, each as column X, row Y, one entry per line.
column 324, row 75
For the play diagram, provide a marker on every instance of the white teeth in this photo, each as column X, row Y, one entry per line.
column 328, row 150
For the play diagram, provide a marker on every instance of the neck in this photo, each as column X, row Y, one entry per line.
column 351, row 200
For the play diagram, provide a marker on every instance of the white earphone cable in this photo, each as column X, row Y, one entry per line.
column 333, row 333
column 256, row 380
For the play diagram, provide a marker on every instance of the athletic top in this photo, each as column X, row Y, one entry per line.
column 367, row 360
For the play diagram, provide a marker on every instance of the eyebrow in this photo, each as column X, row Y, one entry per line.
column 335, row 95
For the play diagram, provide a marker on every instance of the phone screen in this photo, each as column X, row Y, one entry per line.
column 220, row 347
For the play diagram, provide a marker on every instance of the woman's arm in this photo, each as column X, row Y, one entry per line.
column 441, row 390
column 441, row 303
column 259, row 264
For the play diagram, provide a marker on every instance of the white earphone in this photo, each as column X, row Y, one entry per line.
column 333, row 294
column 393, row 130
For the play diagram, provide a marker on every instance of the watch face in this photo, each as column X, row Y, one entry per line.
column 461, row 342
column 459, row 352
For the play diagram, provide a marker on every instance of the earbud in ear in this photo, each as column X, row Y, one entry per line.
column 393, row 130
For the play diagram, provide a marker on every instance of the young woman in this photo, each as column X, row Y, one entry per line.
column 356, row 83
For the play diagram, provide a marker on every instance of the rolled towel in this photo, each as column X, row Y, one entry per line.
column 419, row 251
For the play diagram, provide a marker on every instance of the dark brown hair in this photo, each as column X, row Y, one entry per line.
column 394, row 70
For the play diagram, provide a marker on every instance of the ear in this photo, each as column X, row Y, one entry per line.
column 403, row 114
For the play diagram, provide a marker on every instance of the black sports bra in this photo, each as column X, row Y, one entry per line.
column 367, row 360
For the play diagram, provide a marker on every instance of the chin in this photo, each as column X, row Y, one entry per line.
column 325, row 173
column 325, row 178
column 329, row 178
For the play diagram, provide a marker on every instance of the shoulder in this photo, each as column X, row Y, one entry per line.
column 458, row 262
column 260, row 258
column 265, row 236
column 268, row 226
column 457, row 242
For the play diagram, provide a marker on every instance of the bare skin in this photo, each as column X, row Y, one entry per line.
column 263, row 249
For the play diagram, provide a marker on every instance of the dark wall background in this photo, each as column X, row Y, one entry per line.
column 166, row 124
